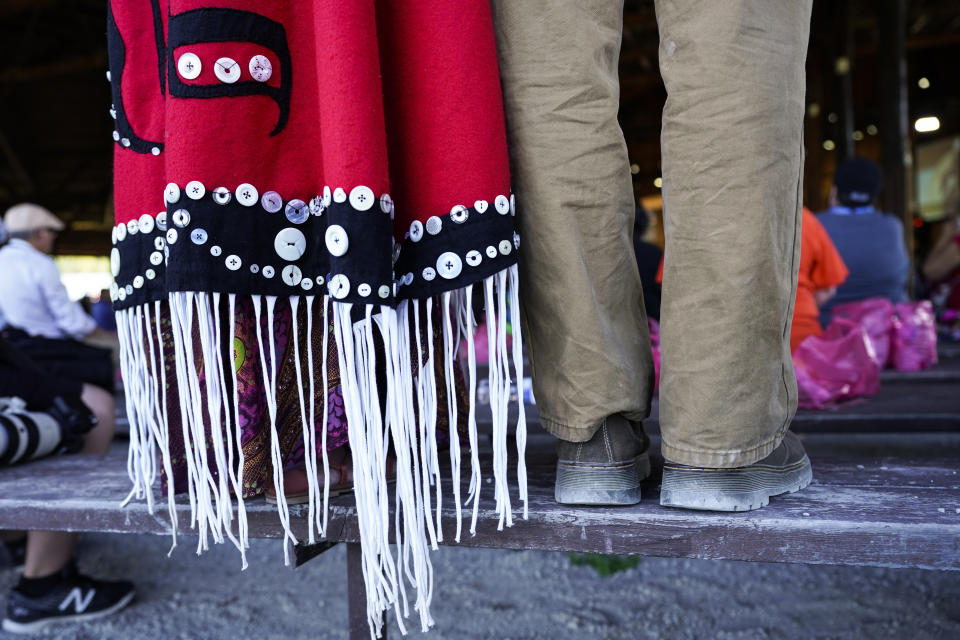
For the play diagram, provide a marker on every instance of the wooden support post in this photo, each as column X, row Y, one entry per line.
column 813, row 170
column 894, row 113
column 357, row 596
column 843, row 74
column 25, row 184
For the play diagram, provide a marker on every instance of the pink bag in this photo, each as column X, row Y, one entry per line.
column 481, row 346
column 838, row 365
column 876, row 316
column 914, row 336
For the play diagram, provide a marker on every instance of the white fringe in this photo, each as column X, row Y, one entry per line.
column 402, row 420
column 449, row 347
column 432, row 408
column 163, row 426
column 243, row 529
column 228, row 474
column 326, row 413
column 403, row 429
column 270, row 390
column 179, row 358
column 204, row 423
column 133, row 378
column 476, row 478
column 430, row 472
column 499, row 381
column 224, row 428
column 379, row 572
column 418, row 454
column 215, row 386
column 521, row 432
column 208, row 499
column 309, row 459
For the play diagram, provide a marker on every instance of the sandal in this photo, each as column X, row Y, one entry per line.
column 296, row 485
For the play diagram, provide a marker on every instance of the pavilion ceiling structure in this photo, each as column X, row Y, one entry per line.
column 55, row 130
column 55, row 144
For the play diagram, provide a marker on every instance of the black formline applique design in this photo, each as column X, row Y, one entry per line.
column 231, row 25
column 116, row 53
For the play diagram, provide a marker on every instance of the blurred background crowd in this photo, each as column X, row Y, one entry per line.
column 882, row 165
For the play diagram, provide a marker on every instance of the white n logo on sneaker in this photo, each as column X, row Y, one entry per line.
column 80, row 602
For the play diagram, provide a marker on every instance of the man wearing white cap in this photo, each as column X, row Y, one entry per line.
column 46, row 326
column 39, row 316
column 32, row 298
column 41, row 320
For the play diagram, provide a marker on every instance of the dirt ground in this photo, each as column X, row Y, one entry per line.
column 505, row 594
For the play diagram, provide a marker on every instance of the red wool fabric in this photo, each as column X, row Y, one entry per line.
column 307, row 193
column 138, row 176
column 402, row 97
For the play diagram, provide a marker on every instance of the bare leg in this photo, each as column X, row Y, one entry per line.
column 49, row 551
column 103, row 406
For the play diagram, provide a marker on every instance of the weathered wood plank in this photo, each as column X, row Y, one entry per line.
column 874, row 512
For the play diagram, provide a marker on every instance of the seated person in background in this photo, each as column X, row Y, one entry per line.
column 821, row 272
column 870, row 242
column 40, row 318
column 942, row 266
column 51, row 589
column 102, row 312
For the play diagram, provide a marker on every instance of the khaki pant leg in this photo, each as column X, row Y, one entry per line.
column 581, row 299
column 732, row 167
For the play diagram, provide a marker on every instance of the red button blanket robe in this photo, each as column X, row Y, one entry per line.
column 309, row 196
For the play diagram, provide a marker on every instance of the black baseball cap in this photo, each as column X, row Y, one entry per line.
column 858, row 182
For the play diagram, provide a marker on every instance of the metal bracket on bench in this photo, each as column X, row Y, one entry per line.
column 306, row 552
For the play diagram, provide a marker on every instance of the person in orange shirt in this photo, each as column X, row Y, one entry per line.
column 821, row 271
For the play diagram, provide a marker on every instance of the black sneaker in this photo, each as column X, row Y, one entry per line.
column 75, row 598
column 785, row 470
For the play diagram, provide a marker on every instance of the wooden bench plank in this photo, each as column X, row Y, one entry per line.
column 890, row 512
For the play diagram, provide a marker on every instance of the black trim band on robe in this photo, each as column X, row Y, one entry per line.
column 260, row 244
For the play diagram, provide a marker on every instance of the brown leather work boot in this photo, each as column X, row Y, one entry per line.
column 786, row 470
column 607, row 468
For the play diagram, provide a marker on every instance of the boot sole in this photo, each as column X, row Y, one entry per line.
column 599, row 483
column 731, row 489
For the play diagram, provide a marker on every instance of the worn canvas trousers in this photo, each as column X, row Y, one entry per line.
column 732, row 158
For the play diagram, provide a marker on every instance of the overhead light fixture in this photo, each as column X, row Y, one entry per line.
column 858, row 135
column 634, row 169
column 829, row 145
column 923, row 83
column 872, row 129
column 927, row 124
column 658, row 182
